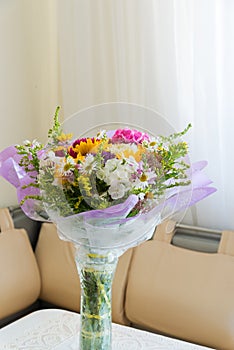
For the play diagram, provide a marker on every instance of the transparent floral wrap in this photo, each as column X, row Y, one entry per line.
column 105, row 194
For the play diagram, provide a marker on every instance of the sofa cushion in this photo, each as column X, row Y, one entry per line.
column 183, row 293
column 19, row 274
column 60, row 284
column 59, row 276
column 119, row 288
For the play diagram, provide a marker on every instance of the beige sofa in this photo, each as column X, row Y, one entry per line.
column 157, row 286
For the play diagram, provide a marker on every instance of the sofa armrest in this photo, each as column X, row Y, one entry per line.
column 19, row 274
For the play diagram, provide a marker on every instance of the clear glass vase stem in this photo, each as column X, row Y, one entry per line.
column 96, row 270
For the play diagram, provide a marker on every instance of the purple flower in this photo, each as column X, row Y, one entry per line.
column 107, row 155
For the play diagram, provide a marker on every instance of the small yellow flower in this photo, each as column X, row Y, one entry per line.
column 77, row 204
column 136, row 155
column 64, row 137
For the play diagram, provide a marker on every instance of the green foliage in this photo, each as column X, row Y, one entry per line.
column 29, row 160
column 56, row 129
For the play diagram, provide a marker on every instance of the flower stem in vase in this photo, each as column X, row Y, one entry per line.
column 96, row 271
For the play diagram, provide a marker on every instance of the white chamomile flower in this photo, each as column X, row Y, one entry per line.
column 88, row 165
column 151, row 144
column 145, row 179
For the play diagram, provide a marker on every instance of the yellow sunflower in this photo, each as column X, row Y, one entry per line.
column 84, row 146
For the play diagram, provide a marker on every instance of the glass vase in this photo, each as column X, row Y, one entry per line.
column 96, row 270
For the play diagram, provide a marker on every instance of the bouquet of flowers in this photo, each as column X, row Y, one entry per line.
column 103, row 171
column 105, row 192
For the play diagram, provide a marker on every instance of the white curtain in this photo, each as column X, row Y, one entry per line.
column 175, row 57
column 204, row 47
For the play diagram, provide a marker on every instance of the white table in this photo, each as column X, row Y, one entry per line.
column 59, row 329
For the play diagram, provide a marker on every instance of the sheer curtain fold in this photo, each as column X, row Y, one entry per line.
column 175, row 56
column 204, row 80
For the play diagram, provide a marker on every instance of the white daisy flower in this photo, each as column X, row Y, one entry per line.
column 145, row 179
column 89, row 165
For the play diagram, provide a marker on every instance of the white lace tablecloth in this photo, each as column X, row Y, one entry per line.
column 59, row 330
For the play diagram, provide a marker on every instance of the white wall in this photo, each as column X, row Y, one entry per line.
column 29, row 83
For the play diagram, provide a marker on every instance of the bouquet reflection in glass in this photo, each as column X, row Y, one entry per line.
column 106, row 193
